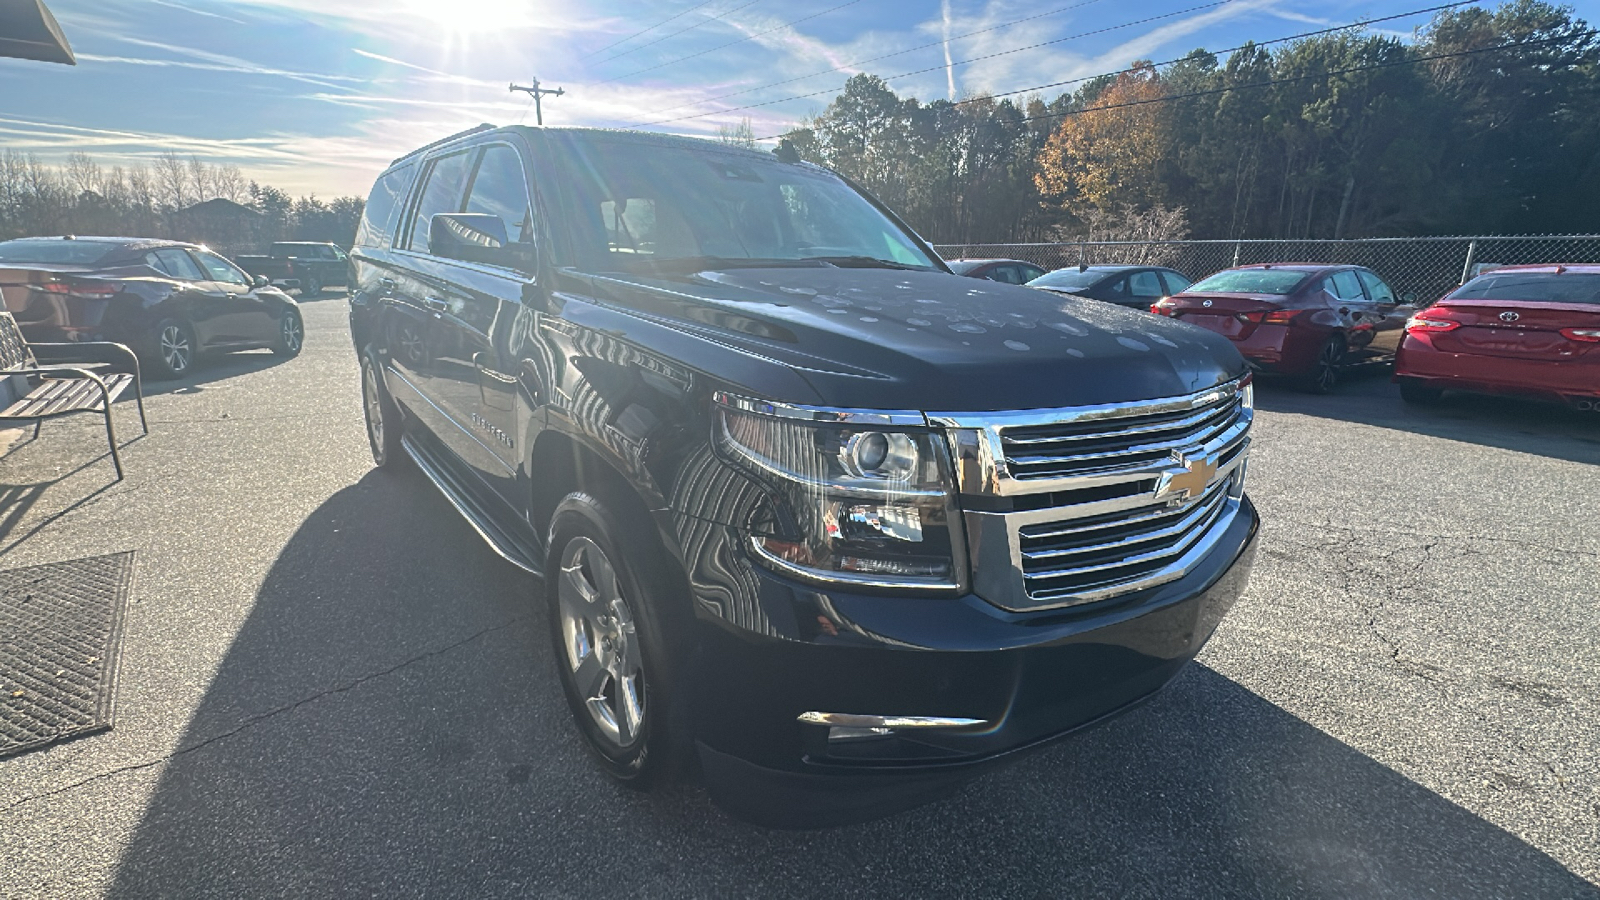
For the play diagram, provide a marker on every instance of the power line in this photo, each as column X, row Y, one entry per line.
column 1073, row 37
column 749, row 37
column 650, row 29
column 862, row 62
column 1290, row 80
column 1293, row 37
column 706, row 21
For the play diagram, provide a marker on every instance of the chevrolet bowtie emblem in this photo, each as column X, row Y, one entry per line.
column 1190, row 482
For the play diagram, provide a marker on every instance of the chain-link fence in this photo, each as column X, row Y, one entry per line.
column 1426, row 266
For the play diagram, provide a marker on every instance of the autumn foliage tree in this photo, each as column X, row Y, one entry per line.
column 1104, row 156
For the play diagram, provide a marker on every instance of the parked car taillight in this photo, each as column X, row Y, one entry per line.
column 1164, row 307
column 1587, row 335
column 1422, row 323
column 1272, row 317
column 79, row 290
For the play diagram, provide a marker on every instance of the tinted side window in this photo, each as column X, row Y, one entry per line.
column 501, row 189
column 383, row 207
column 177, row 263
column 1380, row 292
column 447, row 182
column 1146, row 285
column 1029, row 273
column 1346, row 286
column 1116, row 289
column 1176, row 283
column 1006, row 274
column 222, row 270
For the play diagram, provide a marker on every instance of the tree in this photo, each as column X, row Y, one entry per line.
column 1105, row 156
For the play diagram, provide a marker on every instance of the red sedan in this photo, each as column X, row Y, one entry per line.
column 1304, row 320
column 1531, row 330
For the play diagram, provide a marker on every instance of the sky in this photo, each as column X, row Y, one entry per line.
column 316, row 96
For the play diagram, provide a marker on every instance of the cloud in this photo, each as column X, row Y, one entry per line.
column 198, row 12
column 445, row 76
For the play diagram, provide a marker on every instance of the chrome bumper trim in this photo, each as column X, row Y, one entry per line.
column 852, row 720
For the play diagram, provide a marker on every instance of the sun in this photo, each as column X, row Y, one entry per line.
column 475, row 16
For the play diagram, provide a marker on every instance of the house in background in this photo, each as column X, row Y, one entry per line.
column 225, row 226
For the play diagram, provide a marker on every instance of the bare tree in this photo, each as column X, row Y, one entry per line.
column 172, row 189
column 740, row 135
column 83, row 174
column 228, row 183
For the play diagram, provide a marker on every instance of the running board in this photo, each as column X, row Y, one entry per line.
column 510, row 547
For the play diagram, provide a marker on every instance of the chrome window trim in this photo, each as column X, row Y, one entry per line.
column 880, row 417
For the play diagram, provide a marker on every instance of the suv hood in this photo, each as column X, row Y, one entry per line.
column 893, row 339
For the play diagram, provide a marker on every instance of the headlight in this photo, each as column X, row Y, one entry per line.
column 861, row 504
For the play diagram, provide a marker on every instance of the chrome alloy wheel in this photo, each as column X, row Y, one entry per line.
column 293, row 332
column 176, row 351
column 602, row 646
column 374, row 406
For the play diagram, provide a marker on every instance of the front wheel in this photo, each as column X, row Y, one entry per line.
column 291, row 334
column 313, row 287
column 172, row 350
column 382, row 415
column 608, row 612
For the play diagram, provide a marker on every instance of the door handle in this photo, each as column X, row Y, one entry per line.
column 436, row 304
column 388, row 285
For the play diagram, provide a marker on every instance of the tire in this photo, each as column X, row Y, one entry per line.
column 1324, row 374
column 610, row 641
column 1417, row 393
column 291, row 334
column 313, row 287
column 382, row 416
column 172, row 350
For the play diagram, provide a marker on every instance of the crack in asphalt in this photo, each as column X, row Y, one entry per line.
column 257, row 719
column 1398, row 589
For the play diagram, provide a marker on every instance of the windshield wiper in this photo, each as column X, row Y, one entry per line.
column 865, row 262
column 702, row 263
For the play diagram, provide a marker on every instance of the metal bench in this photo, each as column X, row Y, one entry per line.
column 67, row 381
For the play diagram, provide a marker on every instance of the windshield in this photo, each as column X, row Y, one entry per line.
column 1250, row 281
column 638, row 206
column 65, row 252
column 1536, row 287
column 1068, row 279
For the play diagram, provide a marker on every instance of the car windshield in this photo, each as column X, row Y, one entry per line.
column 1250, row 281
column 64, row 252
column 1068, row 279
column 1537, row 287
column 639, row 207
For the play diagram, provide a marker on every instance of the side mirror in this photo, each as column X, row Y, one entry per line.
column 259, row 281
column 474, row 237
column 1409, row 298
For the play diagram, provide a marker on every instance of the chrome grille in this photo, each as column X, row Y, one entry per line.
column 1071, row 448
column 1092, row 503
column 1066, row 559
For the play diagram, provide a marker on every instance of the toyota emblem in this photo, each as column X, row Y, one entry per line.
column 1205, row 303
column 1509, row 316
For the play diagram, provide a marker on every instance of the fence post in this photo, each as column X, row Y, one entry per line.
column 1235, row 263
column 1466, row 269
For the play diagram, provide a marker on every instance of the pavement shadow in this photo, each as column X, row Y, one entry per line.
column 387, row 722
column 214, row 367
column 1509, row 423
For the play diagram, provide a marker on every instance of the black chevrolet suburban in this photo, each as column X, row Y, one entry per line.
column 812, row 513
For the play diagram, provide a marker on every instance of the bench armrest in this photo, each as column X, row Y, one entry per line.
column 81, row 371
column 105, row 353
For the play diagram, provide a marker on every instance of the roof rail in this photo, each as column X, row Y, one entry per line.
column 476, row 129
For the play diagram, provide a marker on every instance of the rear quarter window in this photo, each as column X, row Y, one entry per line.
column 382, row 212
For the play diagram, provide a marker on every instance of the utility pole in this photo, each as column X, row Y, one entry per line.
column 537, row 93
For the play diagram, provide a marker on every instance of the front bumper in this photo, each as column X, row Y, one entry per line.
column 1030, row 677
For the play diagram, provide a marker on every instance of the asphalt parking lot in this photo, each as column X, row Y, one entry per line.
column 331, row 687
